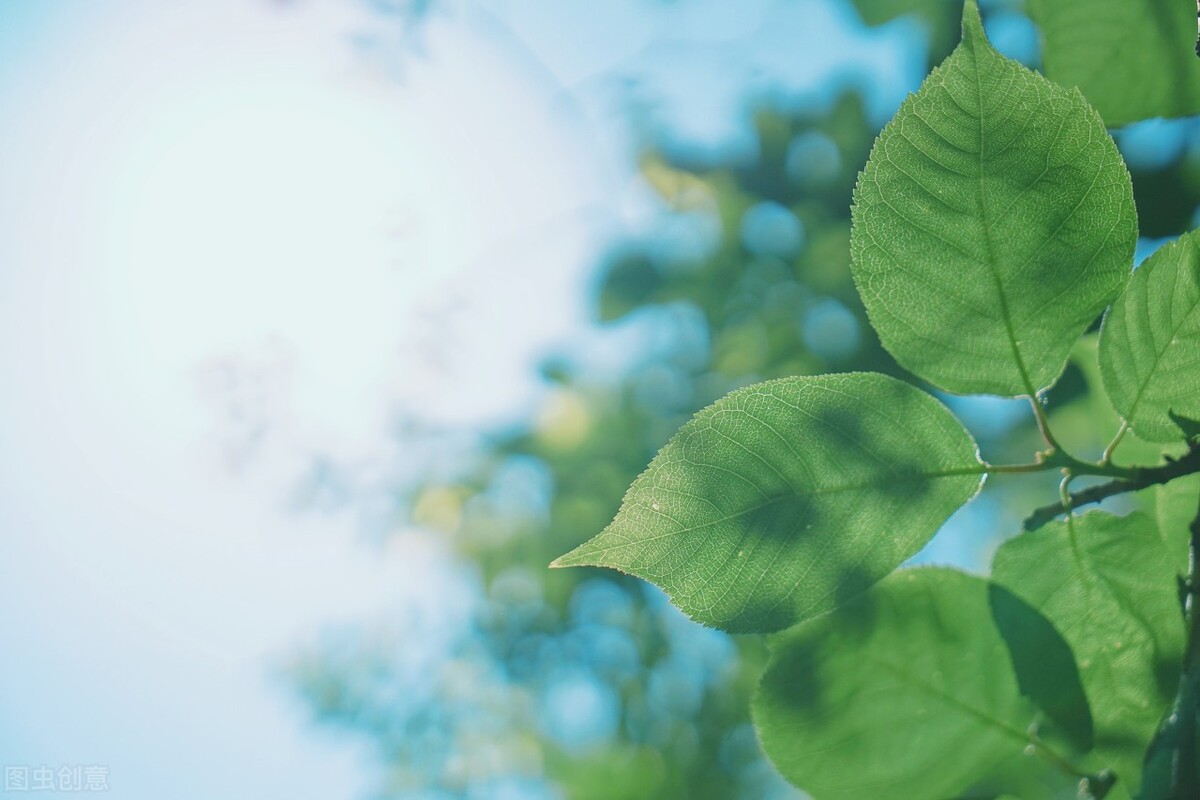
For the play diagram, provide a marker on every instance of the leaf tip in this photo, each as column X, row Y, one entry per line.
column 972, row 24
column 574, row 558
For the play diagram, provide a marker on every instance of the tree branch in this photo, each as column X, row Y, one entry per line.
column 1141, row 479
column 1174, row 745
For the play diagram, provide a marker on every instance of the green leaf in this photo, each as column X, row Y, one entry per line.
column 1173, row 760
column 783, row 500
column 1089, row 422
column 993, row 223
column 1133, row 59
column 1173, row 506
column 905, row 693
column 1150, row 344
column 1107, row 583
column 1045, row 668
column 1190, row 427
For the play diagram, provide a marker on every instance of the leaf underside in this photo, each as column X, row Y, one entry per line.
column 786, row 499
column 906, row 693
column 1107, row 584
column 1173, row 506
column 1150, row 344
column 992, row 224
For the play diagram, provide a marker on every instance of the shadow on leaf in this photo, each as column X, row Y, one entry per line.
column 1045, row 667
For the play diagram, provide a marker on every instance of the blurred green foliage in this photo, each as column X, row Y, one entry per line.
column 734, row 316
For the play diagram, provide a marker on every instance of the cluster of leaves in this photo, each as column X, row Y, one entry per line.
column 993, row 224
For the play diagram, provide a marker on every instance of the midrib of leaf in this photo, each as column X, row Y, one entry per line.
column 1100, row 581
column 1076, row 550
column 1084, row 565
column 951, row 700
column 923, row 476
column 1096, row 582
column 1005, row 313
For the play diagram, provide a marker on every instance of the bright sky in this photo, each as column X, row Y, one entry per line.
column 215, row 225
column 229, row 241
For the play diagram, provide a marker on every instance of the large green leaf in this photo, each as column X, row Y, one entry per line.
column 1133, row 59
column 906, row 693
column 1150, row 343
column 783, row 500
column 993, row 223
column 1107, row 583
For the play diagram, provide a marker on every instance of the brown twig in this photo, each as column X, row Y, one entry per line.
column 1142, row 478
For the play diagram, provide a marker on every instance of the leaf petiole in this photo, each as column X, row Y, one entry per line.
column 1106, row 458
column 1059, row 459
column 1043, row 423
